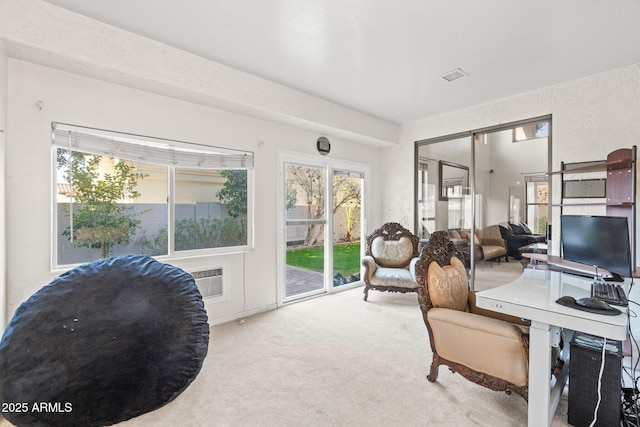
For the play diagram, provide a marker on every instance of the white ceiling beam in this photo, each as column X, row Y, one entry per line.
column 38, row 32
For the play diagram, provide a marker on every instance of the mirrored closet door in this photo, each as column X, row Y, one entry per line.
column 483, row 187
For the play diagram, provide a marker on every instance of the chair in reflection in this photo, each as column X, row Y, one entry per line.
column 490, row 243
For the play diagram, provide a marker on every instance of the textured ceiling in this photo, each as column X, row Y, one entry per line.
column 386, row 58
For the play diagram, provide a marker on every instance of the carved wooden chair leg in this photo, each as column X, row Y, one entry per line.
column 433, row 374
column 366, row 293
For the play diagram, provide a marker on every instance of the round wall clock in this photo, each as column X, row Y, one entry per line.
column 323, row 145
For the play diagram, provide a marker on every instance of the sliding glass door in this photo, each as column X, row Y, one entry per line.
column 305, row 229
column 322, row 207
column 347, row 226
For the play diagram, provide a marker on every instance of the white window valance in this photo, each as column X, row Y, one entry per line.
column 148, row 149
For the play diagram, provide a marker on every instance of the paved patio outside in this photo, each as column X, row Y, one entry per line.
column 300, row 280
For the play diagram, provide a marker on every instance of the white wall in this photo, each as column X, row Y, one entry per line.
column 74, row 99
column 591, row 117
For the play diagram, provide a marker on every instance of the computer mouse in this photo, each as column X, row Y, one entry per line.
column 593, row 303
column 566, row 300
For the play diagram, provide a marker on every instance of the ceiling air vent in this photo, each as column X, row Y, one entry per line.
column 454, row 75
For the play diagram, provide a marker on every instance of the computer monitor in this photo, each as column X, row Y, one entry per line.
column 598, row 241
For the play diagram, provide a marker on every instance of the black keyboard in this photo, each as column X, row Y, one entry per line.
column 609, row 293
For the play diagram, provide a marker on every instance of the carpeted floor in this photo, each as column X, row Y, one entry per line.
column 332, row 361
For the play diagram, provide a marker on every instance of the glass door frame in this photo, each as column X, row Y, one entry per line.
column 330, row 165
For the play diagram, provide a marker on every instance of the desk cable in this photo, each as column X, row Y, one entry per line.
column 595, row 411
column 630, row 397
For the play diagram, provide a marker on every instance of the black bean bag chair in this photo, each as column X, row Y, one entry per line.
column 104, row 342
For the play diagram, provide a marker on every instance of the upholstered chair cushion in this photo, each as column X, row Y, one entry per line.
column 518, row 229
column 398, row 277
column 392, row 253
column 448, row 286
column 526, row 228
column 477, row 237
column 505, row 232
column 481, row 343
column 466, row 234
column 454, row 234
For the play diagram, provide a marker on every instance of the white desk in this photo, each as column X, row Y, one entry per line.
column 532, row 296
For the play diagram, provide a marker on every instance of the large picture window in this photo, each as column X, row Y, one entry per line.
column 119, row 194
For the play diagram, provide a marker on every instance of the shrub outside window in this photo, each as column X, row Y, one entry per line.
column 116, row 193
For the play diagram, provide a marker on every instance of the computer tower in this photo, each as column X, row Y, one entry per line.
column 584, row 369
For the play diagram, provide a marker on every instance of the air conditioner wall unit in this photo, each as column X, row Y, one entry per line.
column 209, row 282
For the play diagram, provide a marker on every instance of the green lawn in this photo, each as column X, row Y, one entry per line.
column 346, row 258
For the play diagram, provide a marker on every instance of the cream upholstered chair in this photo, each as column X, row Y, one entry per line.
column 489, row 242
column 483, row 346
column 390, row 250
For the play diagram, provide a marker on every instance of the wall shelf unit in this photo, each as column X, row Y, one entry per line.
column 620, row 187
column 602, row 165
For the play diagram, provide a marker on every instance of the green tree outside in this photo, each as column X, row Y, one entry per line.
column 99, row 218
column 234, row 192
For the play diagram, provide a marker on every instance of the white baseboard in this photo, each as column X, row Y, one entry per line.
column 241, row 315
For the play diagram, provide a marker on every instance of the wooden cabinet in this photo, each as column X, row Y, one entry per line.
column 621, row 179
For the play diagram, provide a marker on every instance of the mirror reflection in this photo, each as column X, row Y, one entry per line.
column 506, row 214
column 454, row 180
column 443, row 201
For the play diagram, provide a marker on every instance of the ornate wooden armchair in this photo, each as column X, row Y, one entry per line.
column 483, row 346
column 390, row 251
